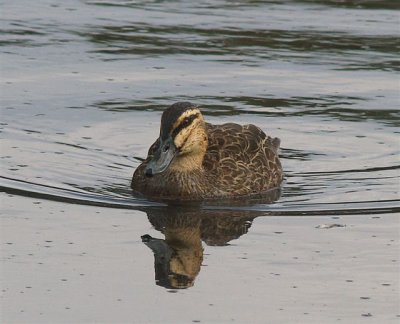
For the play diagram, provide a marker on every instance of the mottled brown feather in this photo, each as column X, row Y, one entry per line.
column 242, row 159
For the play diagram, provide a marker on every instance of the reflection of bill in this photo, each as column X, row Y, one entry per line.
column 178, row 257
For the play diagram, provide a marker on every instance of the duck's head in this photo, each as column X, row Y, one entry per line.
column 182, row 142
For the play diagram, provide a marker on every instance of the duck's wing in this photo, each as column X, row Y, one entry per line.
column 243, row 158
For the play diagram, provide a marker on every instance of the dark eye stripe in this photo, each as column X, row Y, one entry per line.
column 185, row 123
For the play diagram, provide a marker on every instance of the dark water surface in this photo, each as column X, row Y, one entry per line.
column 84, row 84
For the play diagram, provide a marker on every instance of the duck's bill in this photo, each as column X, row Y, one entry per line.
column 162, row 158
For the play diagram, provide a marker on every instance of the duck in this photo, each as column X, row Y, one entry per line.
column 193, row 160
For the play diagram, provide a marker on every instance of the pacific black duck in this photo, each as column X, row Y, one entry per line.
column 195, row 160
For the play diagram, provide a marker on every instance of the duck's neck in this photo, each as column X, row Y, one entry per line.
column 188, row 163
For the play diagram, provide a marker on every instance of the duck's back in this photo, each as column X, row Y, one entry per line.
column 242, row 160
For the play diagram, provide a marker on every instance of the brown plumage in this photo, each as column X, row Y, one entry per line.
column 194, row 160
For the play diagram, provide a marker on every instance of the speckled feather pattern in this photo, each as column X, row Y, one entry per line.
column 242, row 159
column 239, row 161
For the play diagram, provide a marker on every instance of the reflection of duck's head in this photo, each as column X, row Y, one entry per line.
column 178, row 258
column 182, row 142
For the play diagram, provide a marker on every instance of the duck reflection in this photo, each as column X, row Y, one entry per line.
column 179, row 256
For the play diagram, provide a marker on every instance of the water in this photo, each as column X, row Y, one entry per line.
column 325, row 84
column 84, row 84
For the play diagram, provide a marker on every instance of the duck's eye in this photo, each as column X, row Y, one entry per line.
column 186, row 122
column 166, row 148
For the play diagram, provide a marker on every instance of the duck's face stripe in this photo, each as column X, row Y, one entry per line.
column 184, row 121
